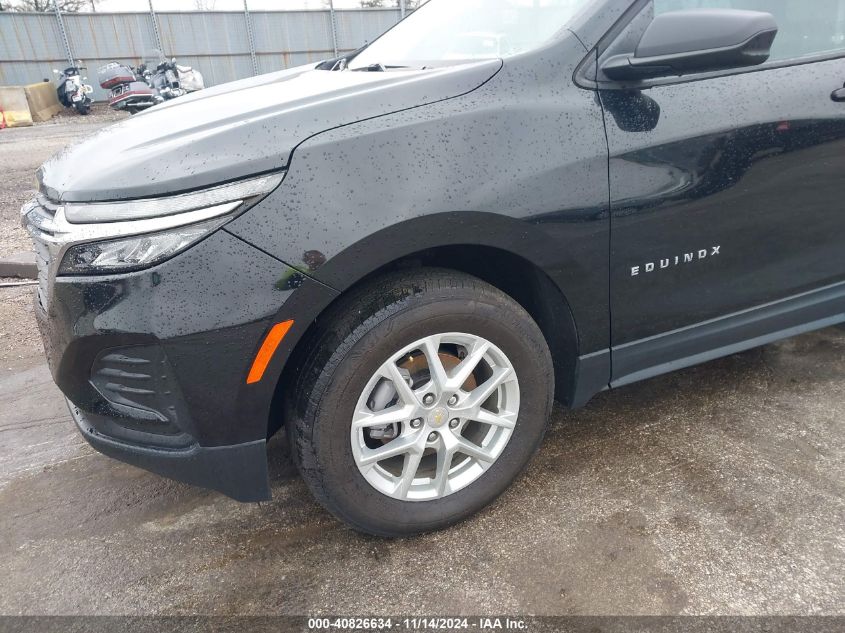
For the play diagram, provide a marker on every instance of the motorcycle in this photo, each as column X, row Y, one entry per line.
column 136, row 89
column 72, row 93
column 127, row 86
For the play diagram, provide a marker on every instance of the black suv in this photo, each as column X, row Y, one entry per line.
column 404, row 254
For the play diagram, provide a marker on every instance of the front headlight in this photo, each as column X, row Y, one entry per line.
column 108, row 237
column 133, row 253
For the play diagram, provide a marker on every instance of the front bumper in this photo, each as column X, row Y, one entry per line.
column 155, row 362
column 238, row 471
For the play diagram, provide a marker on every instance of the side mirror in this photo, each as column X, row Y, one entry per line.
column 697, row 40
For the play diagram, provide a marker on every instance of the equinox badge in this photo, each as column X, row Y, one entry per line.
column 677, row 260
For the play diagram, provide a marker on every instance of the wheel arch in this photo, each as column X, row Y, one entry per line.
column 505, row 253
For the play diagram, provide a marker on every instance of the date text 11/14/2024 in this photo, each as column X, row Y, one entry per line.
column 418, row 624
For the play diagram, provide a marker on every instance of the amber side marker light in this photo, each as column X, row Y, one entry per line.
column 268, row 348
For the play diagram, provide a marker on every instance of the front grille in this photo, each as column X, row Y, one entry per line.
column 48, row 206
column 42, row 262
column 39, row 219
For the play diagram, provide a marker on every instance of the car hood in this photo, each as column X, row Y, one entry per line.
column 239, row 129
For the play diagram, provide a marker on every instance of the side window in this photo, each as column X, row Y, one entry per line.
column 806, row 27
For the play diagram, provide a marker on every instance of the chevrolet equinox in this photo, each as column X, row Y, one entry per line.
column 404, row 254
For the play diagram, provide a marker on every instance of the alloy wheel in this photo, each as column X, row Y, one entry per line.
column 435, row 416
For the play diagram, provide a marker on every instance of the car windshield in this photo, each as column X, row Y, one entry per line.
column 451, row 31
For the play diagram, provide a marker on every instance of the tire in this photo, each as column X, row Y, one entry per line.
column 357, row 337
column 83, row 107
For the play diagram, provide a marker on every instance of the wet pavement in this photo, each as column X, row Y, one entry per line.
column 716, row 490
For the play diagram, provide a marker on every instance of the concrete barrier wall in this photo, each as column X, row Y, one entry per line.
column 14, row 106
column 43, row 101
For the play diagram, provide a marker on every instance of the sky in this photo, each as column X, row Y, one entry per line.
column 221, row 5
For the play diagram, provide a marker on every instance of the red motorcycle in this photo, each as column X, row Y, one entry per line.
column 136, row 89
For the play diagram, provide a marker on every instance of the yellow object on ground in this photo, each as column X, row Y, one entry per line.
column 14, row 105
column 43, row 102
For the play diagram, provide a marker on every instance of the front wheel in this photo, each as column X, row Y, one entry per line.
column 425, row 394
column 83, row 107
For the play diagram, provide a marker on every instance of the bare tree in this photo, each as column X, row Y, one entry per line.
column 205, row 5
column 379, row 4
column 66, row 6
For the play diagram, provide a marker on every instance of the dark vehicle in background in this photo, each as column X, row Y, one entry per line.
column 402, row 257
column 136, row 89
column 71, row 91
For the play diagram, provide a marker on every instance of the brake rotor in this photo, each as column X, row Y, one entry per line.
column 419, row 373
column 419, row 369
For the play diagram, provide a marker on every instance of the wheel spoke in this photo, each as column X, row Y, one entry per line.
column 441, row 475
column 476, row 452
column 507, row 420
column 431, row 349
column 391, row 372
column 409, row 472
column 478, row 395
column 393, row 448
column 398, row 413
column 468, row 365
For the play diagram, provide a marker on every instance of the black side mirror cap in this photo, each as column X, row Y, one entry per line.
column 697, row 40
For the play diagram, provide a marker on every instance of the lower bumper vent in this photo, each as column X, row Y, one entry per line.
column 139, row 387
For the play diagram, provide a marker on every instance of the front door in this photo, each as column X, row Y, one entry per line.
column 727, row 193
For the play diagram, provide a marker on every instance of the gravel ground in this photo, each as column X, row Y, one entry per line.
column 22, row 150
column 716, row 490
column 20, row 343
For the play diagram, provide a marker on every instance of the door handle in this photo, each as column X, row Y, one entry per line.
column 838, row 95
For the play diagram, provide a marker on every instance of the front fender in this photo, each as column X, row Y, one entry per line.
column 519, row 164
